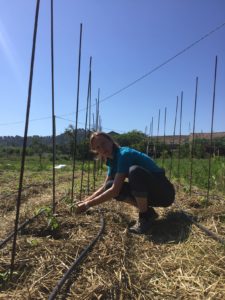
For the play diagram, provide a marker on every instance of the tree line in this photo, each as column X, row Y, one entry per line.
column 153, row 146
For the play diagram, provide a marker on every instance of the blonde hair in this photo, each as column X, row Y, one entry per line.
column 106, row 135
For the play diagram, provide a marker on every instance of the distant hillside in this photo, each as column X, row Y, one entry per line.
column 17, row 141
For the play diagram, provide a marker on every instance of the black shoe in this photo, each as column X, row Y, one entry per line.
column 142, row 226
column 144, row 222
column 152, row 213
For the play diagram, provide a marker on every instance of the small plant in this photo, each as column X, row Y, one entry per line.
column 52, row 220
column 67, row 200
column 53, row 223
column 33, row 242
column 203, row 200
column 5, row 276
column 186, row 188
column 214, row 181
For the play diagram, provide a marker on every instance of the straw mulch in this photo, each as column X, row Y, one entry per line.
column 175, row 260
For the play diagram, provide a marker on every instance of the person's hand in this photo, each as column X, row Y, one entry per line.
column 81, row 207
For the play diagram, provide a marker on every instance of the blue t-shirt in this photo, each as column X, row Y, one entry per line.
column 125, row 157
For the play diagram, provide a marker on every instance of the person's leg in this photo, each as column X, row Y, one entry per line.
column 142, row 204
column 161, row 191
column 131, row 201
column 156, row 187
column 139, row 180
column 146, row 214
column 125, row 193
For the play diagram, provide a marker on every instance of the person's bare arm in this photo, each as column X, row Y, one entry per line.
column 112, row 192
column 99, row 191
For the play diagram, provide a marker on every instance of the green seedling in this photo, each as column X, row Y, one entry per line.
column 203, row 200
column 33, row 242
column 5, row 276
column 52, row 220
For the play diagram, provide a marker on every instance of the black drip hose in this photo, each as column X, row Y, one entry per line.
column 77, row 261
column 8, row 238
column 203, row 228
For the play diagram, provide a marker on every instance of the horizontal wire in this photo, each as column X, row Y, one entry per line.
column 163, row 64
column 83, row 124
column 138, row 79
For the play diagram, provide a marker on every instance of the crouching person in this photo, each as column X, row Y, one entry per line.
column 132, row 177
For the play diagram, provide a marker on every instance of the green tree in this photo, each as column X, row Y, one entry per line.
column 38, row 148
column 134, row 139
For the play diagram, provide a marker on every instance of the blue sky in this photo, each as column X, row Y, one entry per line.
column 126, row 39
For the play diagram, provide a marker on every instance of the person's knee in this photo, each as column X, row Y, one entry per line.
column 135, row 172
column 167, row 203
column 170, row 198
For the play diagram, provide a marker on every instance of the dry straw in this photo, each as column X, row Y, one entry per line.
column 175, row 260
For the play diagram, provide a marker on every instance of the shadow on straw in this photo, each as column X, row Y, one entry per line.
column 174, row 228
